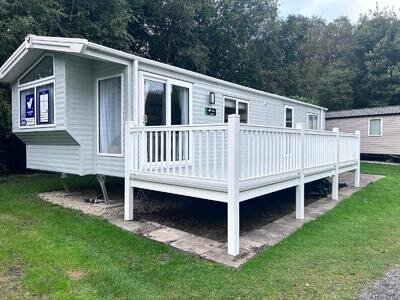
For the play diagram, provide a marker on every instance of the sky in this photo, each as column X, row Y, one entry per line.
column 330, row 9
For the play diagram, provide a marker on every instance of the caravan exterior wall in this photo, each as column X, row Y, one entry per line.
column 70, row 145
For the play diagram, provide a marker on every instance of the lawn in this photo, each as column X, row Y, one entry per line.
column 49, row 251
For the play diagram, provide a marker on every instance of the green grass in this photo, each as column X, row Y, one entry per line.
column 42, row 244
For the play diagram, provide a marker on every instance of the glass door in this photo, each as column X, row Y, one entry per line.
column 166, row 101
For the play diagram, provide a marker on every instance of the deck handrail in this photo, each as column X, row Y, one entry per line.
column 201, row 150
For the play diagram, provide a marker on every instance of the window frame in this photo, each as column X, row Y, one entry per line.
column 308, row 121
column 37, row 81
column 98, row 79
column 143, row 75
column 284, row 115
column 34, row 85
column 369, row 127
column 237, row 100
column 168, row 83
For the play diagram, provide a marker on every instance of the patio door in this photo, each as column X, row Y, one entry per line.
column 165, row 101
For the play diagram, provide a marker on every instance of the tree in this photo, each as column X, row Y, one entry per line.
column 378, row 51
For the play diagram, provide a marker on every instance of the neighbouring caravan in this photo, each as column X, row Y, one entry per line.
column 379, row 128
column 88, row 91
column 82, row 108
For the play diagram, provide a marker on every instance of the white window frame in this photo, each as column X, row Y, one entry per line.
column 318, row 121
column 237, row 100
column 33, row 85
column 98, row 117
column 284, row 115
column 168, row 84
column 369, row 127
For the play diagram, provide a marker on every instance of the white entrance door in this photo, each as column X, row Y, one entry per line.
column 165, row 101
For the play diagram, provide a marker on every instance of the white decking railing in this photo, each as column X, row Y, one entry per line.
column 234, row 162
column 201, row 151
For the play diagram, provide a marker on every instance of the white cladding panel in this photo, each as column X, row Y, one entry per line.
column 81, row 108
column 263, row 110
column 55, row 158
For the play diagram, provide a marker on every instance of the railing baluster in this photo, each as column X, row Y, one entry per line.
column 215, row 154
column 248, row 155
column 187, row 153
column 162, row 152
column 180, row 151
column 151, row 151
column 207, row 154
column 223, row 154
column 156, row 163
column 201, row 153
column 173, row 152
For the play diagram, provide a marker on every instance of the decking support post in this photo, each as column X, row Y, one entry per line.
column 300, row 186
column 129, row 153
column 233, row 183
column 335, row 178
column 357, row 171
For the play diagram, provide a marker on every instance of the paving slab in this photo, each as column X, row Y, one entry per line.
column 263, row 236
column 196, row 244
column 167, row 235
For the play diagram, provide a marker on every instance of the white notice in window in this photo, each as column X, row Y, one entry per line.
column 44, row 106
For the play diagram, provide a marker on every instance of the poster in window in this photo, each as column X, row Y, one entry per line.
column 29, row 110
column 44, row 106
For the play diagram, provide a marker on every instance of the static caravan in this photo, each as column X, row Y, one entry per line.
column 82, row 108
column 379, row 128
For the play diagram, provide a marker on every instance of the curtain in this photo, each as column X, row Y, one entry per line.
column 110, row 116
column 375, row 127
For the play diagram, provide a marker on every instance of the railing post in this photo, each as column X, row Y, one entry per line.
column 335, row 178
column 300, row 186
column 129, row 153
column 357, row 171
column 233, row 183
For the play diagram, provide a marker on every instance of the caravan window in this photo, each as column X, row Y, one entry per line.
column 43, row 69
column 375, row 127
column 289, row 116
column 110, row 116
column 36, row 94
column 235, row 106
column 312, row 121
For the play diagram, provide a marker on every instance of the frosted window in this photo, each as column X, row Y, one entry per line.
column 312, row 122
column 110, row 116
column 375, row 127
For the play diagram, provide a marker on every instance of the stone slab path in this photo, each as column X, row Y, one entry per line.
column 250, row 243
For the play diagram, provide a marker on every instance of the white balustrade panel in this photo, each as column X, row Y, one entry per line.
column 201, row 151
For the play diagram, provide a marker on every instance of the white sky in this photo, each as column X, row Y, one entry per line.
column 330, row 9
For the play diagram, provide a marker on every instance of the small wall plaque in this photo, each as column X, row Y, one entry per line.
column 210, row 111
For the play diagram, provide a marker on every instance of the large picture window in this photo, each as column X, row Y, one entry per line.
column 236, row 106
column 110, row 116
column 36, row 94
